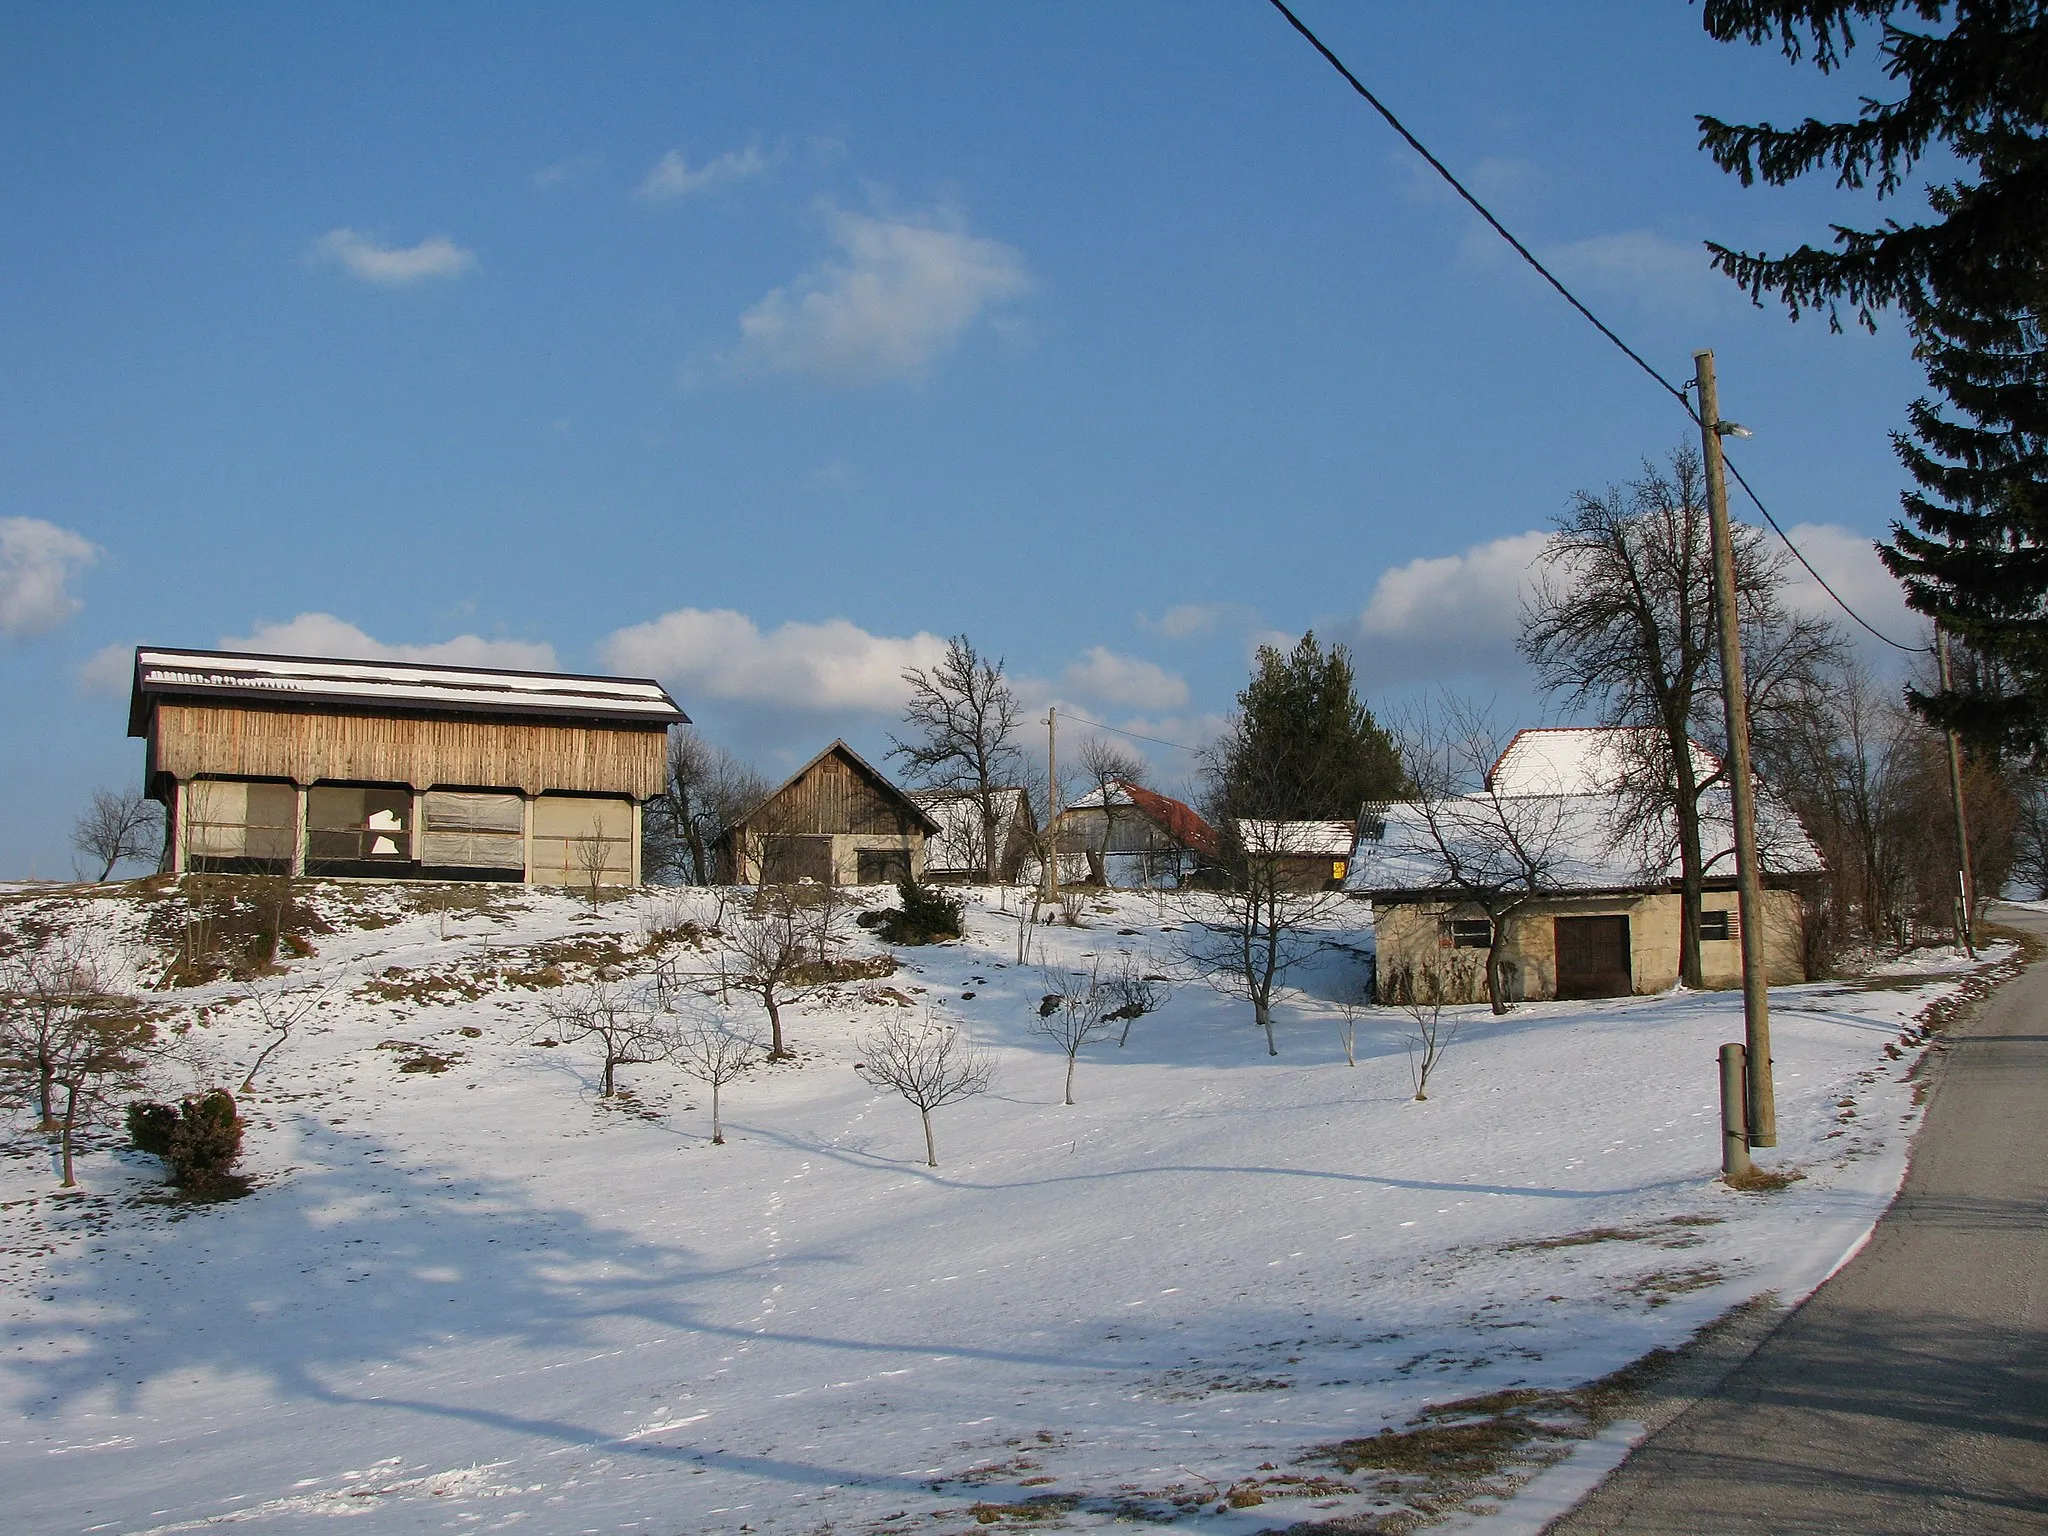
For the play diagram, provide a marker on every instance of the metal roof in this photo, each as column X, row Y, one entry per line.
column 405, row 687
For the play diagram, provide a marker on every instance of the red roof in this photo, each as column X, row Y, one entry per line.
column 1181, row 822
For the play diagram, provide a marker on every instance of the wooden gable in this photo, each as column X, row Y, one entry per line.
column 838, row 792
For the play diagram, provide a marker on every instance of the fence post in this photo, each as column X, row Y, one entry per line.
column 1734, row 1111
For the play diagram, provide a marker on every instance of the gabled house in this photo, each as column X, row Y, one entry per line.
column 1306, row 855
column 1123, row 834
column 959, row 850
column 835, row 821
column 1605, row 920
column 321, row 766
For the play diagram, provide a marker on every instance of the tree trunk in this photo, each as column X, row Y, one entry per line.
column 1263, row 1012
column 605, row 1090
column 775, row 1050
column 931, row 1147
column 717, row 1131
column 46, row 1089
column 1070, row 1079
column 109, row 869
column 70, row 1119
column 1686, row 806
column 1493, row 989
column 992, row 855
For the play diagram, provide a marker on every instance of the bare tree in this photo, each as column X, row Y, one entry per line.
column 1263, row 923
column 1466, row 839
column 1622, row 620
column 1073, row 1013
column 616, row 1018
column 117, row 827
column 963, row 715
column 66, row 1036
column 706, row 790
column 281, row 1013
column 47, row 990
column 778, row 946
column 1133, row 991
column 707, row 1047
column 930, row 1065
column 1423, row 992
column 1105, row 768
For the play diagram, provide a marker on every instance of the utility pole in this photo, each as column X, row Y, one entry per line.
column 1756, row 998
column 1965, row 876
column 1052, row 802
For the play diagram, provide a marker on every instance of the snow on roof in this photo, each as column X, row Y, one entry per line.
column 1178, row 820
column 957, row 846
column 1298, row 839
column 408, row 686
column 1554, row 791
column 1578, row 760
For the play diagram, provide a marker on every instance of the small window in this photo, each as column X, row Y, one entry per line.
column 1717, row 925
column 1471, row 933
column 883, row 866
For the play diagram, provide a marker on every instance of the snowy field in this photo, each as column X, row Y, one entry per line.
column 482, row 1299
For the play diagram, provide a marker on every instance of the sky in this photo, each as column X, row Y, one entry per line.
column 758, row 349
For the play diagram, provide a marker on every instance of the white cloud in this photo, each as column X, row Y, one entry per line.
column 108, row 670
column 37, row 562
column 723, row 654
column 1184, row 621
column 1850, row 564
column 562, row 172
column 393, row 266
column 1448, row 615
column 1642, row 265
column 1126, row 680
column 671, row 177
column 322, row 634
column 905, row 292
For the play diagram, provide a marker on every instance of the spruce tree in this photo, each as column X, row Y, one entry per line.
column 1972, row 284
column 1304, row 748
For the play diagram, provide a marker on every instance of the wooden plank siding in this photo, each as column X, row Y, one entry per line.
column 305, row 746
column 833, row 797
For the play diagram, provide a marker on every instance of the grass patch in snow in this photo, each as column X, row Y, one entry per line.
column 1764, row 1181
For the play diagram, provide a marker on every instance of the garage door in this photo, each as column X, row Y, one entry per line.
column 1593, row 957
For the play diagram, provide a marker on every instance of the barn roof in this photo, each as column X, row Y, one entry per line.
column 1179, row 821
column 889, row 788
column 1298, row 839
column 405, row 687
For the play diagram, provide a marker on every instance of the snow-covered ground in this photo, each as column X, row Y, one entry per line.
column 482, row 1298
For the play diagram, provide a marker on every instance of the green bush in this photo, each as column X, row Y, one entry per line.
column 150, row 1127
column 926, row 916
column 198, row 1141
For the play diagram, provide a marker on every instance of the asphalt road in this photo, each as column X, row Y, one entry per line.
column 1909, row 1393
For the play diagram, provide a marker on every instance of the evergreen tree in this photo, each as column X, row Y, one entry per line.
column 1972, row 283
column 1303, row 747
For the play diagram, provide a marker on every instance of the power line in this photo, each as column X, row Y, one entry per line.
column 1157, row 741
column 1675, row 391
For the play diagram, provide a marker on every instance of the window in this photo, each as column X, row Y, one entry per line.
column 462, row 829
column 1471, row 933
column 1717, row 925
column 353, row 830
column 233, row 826
column 883, row 866
column 582, row 840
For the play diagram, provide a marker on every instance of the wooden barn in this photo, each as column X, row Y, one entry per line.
column 836, row 821
column 306, row 765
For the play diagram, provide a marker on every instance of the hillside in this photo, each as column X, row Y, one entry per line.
column 465, row 1292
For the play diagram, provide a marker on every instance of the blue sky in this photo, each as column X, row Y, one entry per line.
column 760, row 347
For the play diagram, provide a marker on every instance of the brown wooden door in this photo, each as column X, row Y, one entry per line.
column 1593, row 957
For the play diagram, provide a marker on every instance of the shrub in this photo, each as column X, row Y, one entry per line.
column 198, row 1141
column 926, row 916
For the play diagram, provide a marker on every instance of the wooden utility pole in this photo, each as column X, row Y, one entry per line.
column 1966, row 877
column 1756, row 998
column 1052, row 802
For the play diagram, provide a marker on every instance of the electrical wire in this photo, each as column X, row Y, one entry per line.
column 1157, row 741
column 1677, row 392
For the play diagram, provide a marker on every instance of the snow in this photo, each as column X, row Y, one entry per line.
column 481, row 1299
column 415, row 684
